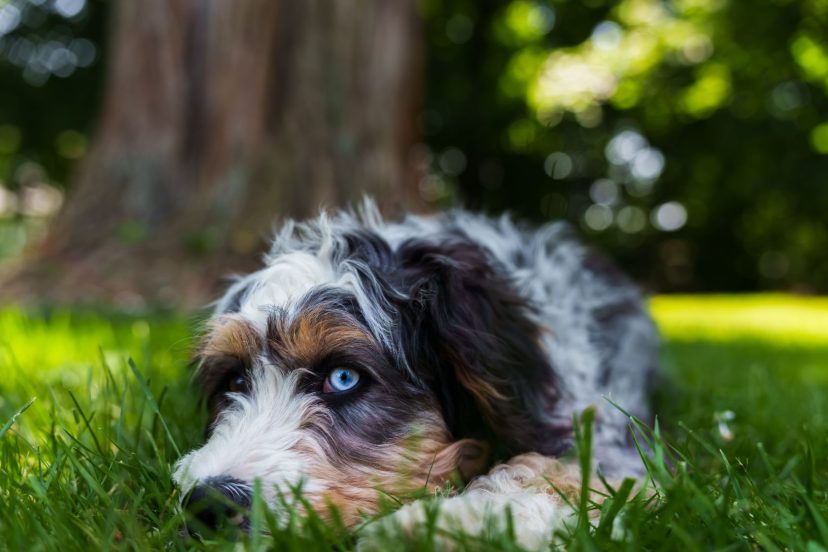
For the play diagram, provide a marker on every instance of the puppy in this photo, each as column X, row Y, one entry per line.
column 370, row 357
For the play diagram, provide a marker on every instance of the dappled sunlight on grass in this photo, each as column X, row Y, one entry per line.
column 776, row 318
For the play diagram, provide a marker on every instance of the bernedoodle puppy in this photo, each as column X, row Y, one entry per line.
column 369, row 358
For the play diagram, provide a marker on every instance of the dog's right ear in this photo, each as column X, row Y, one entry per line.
column 475, row 338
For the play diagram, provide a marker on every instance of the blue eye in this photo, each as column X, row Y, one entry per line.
column 341, row 379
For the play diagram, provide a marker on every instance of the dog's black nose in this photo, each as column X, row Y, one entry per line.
column 218, row 502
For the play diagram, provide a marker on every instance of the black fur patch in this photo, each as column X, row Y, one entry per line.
column 471, row 336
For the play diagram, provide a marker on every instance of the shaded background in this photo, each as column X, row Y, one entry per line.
column 688, row 138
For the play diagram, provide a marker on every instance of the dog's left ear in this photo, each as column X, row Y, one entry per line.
column 475, row 339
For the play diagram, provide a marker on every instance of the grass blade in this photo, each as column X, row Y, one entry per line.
column 153, row 404
column 14, row 417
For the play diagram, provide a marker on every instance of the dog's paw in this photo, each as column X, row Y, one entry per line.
column 421, row 521
column 472, row 519
column 402, row 525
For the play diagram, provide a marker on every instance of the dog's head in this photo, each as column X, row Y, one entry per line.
column 351, row 365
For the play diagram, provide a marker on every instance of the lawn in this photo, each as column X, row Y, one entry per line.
column 740, row 459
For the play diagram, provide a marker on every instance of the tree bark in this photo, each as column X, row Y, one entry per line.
column 219, row 117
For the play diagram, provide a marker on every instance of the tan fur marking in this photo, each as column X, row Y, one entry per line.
column 423, row 461
column 484, row 392
column 230, row 335
column 314, row 334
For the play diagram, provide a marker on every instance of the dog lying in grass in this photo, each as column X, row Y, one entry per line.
column 370, row 358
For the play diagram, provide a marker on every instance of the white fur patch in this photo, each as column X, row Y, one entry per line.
column 284, row 282
column 256, row 438
column 301, row 260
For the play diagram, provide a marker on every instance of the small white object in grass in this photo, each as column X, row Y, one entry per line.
column 722, row 419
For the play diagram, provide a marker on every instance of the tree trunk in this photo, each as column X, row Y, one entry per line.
column 219, row 117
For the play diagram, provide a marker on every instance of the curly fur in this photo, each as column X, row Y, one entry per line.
column 477, row 340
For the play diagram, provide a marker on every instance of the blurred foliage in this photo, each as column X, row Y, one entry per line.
column 51, row 82
column 687, row 137
column 51, row 79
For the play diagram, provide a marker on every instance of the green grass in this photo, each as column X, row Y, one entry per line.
column 740, row 455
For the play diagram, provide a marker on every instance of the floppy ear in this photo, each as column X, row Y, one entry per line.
column 474, row 338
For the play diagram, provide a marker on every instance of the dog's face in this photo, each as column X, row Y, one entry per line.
column 351, row 369
column 315, row 399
